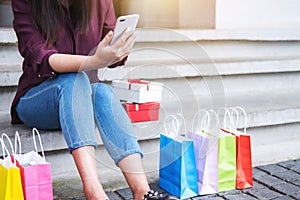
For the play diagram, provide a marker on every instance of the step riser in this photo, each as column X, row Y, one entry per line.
column 6, row 97
column 209, row 89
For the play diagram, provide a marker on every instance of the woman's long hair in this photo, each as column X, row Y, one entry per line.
column 49, row 14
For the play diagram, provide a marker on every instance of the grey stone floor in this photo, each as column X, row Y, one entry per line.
column 280, row 181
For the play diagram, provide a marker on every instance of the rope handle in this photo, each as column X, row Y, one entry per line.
column 5, row 148
column 245, row 117
column 205, row 121
column 175, row 125
column 36, row 132
column 18, row 143
column 227, row 115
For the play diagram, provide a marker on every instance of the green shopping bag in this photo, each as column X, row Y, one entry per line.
column 226, row 157
column 227, row 163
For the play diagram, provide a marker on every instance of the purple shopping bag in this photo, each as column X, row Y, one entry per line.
column 206, row 155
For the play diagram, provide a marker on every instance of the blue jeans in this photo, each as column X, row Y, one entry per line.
column 70, row 103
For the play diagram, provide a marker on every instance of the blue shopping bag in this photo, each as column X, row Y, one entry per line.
column 177, row 166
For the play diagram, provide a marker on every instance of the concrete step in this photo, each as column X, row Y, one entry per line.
column 263, row 109
column 269, row 145
column 213, row 72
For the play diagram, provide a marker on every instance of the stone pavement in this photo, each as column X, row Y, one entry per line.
column 279, row 181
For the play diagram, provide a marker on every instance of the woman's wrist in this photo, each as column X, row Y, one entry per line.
column 64, row 63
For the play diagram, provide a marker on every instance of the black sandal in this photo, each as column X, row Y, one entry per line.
column 157, row 196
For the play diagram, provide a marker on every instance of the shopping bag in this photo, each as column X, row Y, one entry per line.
column 206, row 154
column 35, row 173
column 226, row 157
column 244, row 177
column 10, row 178
column 177, row 167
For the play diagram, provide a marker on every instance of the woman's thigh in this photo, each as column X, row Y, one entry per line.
column 64, row 102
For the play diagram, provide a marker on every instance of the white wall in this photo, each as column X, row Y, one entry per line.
column 231, row 14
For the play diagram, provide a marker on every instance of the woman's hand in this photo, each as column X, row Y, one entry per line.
column 107, row 54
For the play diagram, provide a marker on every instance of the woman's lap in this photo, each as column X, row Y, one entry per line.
column 71, row 103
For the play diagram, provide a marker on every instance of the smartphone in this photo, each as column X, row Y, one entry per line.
column 122, row 23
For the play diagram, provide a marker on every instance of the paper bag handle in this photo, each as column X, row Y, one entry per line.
column 245, row 117
column 18, row 141
column 205, row 121
column 35, row 131
column 10, row 144
column 236, row 115
column 175, row 126
column 227, row 115
column 4, row 148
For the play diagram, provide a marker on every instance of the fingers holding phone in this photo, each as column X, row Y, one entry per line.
column 124, row 28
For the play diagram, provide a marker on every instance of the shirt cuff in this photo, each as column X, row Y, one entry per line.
column 46, row 71
column 120, row 63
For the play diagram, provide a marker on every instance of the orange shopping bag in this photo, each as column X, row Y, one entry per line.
column 244, row 177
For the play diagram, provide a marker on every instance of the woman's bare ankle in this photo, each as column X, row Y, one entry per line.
column 93, row 190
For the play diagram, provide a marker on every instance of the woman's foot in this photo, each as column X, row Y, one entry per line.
column 157, row 196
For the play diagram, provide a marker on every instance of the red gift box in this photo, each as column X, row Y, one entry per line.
column 142, row 112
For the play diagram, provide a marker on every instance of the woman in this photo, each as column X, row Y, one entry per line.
column 63, row 43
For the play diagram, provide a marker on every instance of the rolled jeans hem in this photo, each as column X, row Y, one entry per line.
column 82, row 144
column 127, row 153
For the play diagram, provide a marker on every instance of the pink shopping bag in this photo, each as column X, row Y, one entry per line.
column 35, row 173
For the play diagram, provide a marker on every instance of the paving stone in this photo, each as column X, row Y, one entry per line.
column 288, row 164
column 264, row 193
column 256, row 186
column 284, row 198
column 125, row 193
column 210, row 197
column 296, row 169
column 231, row 192
column 289, row 176
column 240, row 197
column 296, row 195
column 113, row 196
column 270, row 180
column 287, row 188
column 257, row 173
column 155, row 187
column 272, row 169
column 283, row 185
column 297, row 182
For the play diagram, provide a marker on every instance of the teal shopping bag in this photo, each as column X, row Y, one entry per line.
column 177, row 166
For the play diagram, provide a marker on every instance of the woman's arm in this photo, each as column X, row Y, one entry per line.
column 105, row 55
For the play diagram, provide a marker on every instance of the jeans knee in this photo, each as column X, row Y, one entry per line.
column 103, row 93
column 77, row 83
